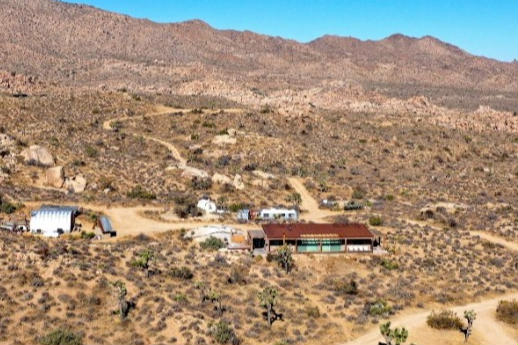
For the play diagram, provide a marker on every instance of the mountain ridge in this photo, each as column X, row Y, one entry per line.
column 43, row 38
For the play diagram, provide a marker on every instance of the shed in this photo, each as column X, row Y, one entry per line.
column 105, row 225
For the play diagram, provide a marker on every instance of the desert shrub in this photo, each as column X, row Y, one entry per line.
column 358, row 193
column 507, row 311
column 138, row 192
column 223, row 333
column 181, row 273
column 91, row 151
column 199, row 183
column 212, row 243
column 6, row 206
column 389, row 197
column 87, row 235
column 375, row 221
column 445, row 319
column 180, row 298
column 348, row 288
column 389, row 264
column 238, row 274
column 237, row 206
column 61, row 337
column 313, row 312
column 379, row 308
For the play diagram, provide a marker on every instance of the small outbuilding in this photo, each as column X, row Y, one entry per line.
column 106, row 226
column 53, row 221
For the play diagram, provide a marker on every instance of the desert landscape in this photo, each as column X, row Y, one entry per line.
column 171, row 131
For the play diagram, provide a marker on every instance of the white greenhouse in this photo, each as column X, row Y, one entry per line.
column 52, row 221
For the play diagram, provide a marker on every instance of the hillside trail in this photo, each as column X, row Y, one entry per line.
column 163, row 110
column 486, row 327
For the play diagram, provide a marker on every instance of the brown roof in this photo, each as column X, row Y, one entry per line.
column 316, row 230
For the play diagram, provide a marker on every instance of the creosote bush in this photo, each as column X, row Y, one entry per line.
column 61, row 337
column 212, row 243
column 445, row 319
column 375, row 221
column 507, row 311
column 138, row 192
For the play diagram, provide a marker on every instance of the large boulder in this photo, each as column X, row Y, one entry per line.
column 75, row 184
column 55, row 177
column 38, row 155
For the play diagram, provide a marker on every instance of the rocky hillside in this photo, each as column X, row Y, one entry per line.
column 81, row 45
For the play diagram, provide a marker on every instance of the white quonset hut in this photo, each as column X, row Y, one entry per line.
column 52, row 221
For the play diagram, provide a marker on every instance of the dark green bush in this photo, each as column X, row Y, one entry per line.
column 212, row 243
column 389, row 264
column 375, row 221
column 379, row 308
column 87, row 235
column 61, row 337
column 140, row 193
column 223, row 333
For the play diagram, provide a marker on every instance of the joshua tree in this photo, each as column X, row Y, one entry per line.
column 470, row 316
column 216, row 298
column 143, row 260
column 267, row 299
column 395, row 336
column 284, row 258
column 202, row 286
column 121, row 296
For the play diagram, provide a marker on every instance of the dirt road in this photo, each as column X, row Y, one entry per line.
column 486, row 328
column 309, row 206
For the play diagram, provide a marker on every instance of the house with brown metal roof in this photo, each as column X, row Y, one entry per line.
column 319, row 238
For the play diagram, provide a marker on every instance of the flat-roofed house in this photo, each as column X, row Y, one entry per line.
column 319, row 238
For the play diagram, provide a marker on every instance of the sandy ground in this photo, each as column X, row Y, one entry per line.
column 486, row 329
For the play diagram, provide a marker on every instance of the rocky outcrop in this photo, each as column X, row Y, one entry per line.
column 221, row 179
column 238, row 182
column 75, row 184
column 37, row 155
column 55, row 177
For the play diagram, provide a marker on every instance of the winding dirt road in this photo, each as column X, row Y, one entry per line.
column 486, row 327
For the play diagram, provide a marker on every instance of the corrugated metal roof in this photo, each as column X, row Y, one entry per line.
column 105, row 224
column 316, row 230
